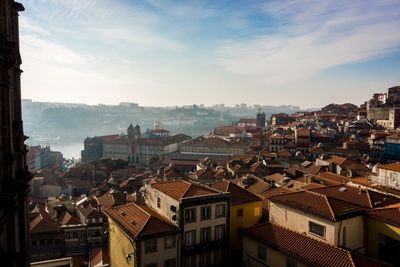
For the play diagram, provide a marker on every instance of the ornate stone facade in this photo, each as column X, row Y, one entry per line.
column 14, row 248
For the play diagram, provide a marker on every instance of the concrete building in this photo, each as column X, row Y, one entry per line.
column 318, row 216
column 391, row 147
column 47, row 240
column 388, row 175
column 245, row 211
column 272, row 245
column 202, row 215
column 383, row 226
column 213, row 145
column 140, row 237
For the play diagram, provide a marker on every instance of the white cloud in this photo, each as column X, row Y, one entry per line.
column 313, row 36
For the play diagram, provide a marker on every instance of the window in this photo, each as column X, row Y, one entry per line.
column 344, row 236
column 34, row 242
column 58, row 241
column 158, row 202
column 190, row 238
column 189, row 261
column 74, row 235
column 205, row 259
column 219, row 257
column 262, row 253
column 41, row 242
column 290, row 263
column 239, row 232
column 169, row 242
column 206, row 213
column 220, row 232
column 240, row 213
column 190, row 215
column 150, row 245
column 205, row 235
column 220, row 211
column 170, row 263
column 316, row 229
column 49, row 241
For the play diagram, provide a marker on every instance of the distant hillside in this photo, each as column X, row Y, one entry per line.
column 49, row 123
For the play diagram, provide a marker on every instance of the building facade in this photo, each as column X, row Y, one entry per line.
column 14, row 176
column 202, row 215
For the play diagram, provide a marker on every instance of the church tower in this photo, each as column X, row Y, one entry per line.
column 261, row 118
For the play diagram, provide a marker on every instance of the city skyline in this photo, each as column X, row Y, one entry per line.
column 159, row 53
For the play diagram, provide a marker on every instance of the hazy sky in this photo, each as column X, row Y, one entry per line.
column 153, row 52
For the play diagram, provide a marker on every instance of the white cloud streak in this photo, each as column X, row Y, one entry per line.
column 312, row 36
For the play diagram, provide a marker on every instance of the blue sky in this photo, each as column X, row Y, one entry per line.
column 162, row 53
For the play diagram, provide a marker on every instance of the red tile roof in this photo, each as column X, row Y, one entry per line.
column 67, row 219
column 390, row 214
column 239, row 195
column 335, row 159
column 391, row 166
column 183, row 189
column 41, row 221
column 318, row 204
column 140, row 221
column 362, row 197
column 307, row 250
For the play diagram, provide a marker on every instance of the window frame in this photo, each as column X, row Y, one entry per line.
column 315, row 233
column 173, row 243
column 146, row 246
column 202, row 231
column 193, row 217
column 202, row 209
column 262, row 253
column 193, row 232
column 217, row 215
column 220, row 226
column 239, row 213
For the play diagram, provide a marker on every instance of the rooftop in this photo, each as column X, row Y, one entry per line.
column 239, row 195
column 140, row 221
column 181, row 189
column 307, row 250
column 319, row 205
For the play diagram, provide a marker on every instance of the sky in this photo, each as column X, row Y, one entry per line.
column 162, row 53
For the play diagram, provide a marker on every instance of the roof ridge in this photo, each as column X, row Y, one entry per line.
column 307, row 236
column 351, row 258
column 187, row 189
column 330, row 207
column 368, row 197
column 148, row 218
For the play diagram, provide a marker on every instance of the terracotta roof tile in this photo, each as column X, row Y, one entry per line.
column 362, row 197
column 318, row 204
column 41, row 221
column 307, row 250
column 390, row 166
column 239, row 195
column 183, row 189
column 390, row 214
column 139, row 220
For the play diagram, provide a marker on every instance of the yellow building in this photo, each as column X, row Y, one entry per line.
column 245, row 210
column 383, row 226
column 138, row 236
column 269, row 244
